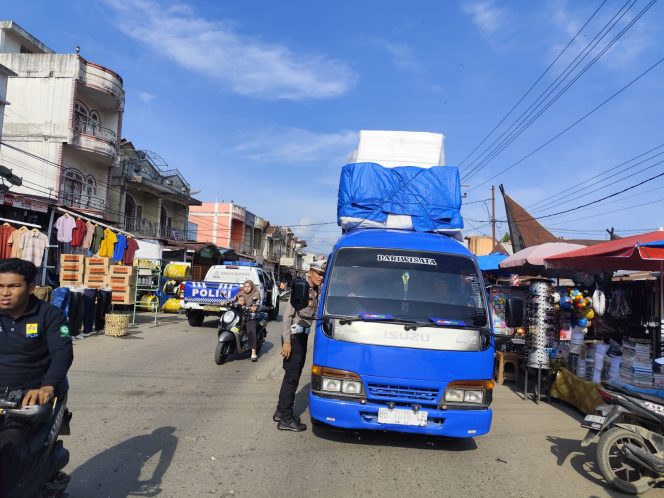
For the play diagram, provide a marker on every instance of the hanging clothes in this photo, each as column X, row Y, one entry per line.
column 108, row 244
column 33, row 244
column 15, row 242
column 120, row 246
column 96, row 239
column 132, row 247
column 6, row 231
column 65, row 225
column 89, row 234
column 78, row 233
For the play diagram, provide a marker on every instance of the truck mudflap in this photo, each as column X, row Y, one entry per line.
column 208, row 294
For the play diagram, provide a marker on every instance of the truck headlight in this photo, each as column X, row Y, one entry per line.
column 468, row 392
column 351, row 387
column 473, row 396
column 332, row 385
column 332, row 380
column 454, row 395
column 228, row 316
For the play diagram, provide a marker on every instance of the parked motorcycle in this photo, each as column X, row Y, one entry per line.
column 233, row 338
column 630, row 450
column 46, row 455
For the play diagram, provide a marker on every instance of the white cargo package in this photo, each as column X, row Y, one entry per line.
column 400, row 148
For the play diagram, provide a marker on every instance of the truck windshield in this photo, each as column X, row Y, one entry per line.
column 425, row 287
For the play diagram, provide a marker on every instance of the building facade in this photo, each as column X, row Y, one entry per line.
column 150, row 198
column 61, row 133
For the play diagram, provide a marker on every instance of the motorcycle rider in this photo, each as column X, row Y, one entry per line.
column 294, row 349
column 35, row 355
column 251, row 297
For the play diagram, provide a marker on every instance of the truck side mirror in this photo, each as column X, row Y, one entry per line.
column 514, row 312
column 299, row 298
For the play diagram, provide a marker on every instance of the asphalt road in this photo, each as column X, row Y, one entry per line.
column 154, row 416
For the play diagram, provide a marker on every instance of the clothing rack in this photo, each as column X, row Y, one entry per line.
column 92, row 220
column 20, row 223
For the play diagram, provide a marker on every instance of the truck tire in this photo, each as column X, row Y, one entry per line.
column 611, row 466
column 195, row 318
column 274, row 312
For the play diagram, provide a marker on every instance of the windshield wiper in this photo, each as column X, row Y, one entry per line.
column 381, row 318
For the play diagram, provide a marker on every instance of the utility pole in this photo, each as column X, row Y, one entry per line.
column 493, row 213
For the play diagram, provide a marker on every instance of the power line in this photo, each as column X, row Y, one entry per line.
column 532, row 86
column 520, row 124
column 559, row 134
column 579, row 185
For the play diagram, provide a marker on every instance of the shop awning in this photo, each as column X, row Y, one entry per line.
column 490, row 262
column 639, row 252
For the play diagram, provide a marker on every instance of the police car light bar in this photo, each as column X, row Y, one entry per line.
column 240, row 263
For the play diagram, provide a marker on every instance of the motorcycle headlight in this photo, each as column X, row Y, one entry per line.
column 228, row 317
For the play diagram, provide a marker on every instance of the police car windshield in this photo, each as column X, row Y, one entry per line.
column 413, row 285
column 229, row 275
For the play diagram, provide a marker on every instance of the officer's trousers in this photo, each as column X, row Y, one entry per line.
column 292, row 372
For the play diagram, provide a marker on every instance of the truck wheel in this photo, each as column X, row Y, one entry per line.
column 222, row 352
column 619, row 473
column 274, row 312
column 195, row 318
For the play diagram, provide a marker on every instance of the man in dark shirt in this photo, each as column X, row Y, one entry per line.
column 35, row 355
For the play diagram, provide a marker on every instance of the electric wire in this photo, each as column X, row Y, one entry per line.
column 520, row 124
column 533, row 85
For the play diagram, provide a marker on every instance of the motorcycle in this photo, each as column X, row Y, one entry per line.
column 630, row 450
column 46, row 455
column 232, row 338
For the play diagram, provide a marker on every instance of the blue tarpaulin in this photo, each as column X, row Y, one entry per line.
column 490, row 261
column 430, row 196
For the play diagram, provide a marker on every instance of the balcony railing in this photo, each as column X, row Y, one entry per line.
column 83, row 124
column 83, row 201
column 151, row 229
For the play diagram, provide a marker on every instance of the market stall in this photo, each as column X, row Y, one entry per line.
column 625, row 336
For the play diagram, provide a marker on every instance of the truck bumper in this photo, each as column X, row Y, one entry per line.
column 355, row 415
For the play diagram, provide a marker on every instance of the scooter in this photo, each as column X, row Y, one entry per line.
column 232, row 337
column 630, row 450
column 46, row 455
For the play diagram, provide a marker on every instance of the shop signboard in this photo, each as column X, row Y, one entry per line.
column 23, row 203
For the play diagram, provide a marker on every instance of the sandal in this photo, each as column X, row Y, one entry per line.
column 254, row 358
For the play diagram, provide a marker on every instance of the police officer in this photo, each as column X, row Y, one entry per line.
column 297, row 325
column 35, row 355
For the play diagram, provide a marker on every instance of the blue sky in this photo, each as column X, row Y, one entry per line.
column 260, row 102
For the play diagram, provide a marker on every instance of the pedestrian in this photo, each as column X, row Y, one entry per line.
column 252, row 299
column 296, row 327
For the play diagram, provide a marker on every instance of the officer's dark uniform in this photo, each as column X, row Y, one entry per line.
column 293, row 366
column 35, row 351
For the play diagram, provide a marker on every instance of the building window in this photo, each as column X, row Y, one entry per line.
column 72, row 186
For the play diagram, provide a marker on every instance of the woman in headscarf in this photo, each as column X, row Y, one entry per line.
column 252, row 299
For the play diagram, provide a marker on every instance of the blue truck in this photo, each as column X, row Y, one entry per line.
column 403, row 340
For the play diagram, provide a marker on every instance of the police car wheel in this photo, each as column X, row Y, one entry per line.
column 195, row 318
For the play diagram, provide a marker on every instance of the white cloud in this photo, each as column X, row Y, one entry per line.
column 486, row 16
column 403, row 57
column 246, row 65
column 296, row 145
column 146, row 97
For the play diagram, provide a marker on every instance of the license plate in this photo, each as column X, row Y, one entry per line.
column 402, row 417
column 211, row 308
column 593, row 422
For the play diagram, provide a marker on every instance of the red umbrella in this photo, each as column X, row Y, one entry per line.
column 619, row 254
